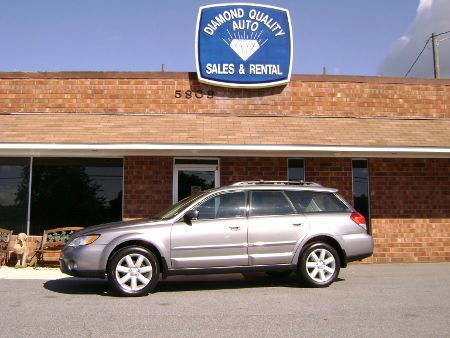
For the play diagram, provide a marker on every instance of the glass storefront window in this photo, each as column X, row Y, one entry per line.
column 360, row 172
column 296, row 169
column 14, row 176
column 75, row 192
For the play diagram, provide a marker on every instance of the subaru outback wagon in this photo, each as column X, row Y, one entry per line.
column 276, row 227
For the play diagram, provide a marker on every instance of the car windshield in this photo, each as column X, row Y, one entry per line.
column 175, row 209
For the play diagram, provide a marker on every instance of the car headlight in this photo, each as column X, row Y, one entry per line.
column 83, row 240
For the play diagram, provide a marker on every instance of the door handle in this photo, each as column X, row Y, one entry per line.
column 297, row 224
column 235, row 228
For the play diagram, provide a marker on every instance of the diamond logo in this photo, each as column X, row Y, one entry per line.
column 244, row 48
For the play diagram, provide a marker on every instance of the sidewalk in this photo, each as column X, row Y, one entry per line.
column 30, row 273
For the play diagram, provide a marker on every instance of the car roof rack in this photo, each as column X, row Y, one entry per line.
column 300, row 182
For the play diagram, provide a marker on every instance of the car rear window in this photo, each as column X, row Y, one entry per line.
column 316, row 201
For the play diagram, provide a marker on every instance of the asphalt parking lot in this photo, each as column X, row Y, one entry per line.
column 404, row 300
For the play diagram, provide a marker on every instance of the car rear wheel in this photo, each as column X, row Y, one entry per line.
column 319, row 265
column 133, row 271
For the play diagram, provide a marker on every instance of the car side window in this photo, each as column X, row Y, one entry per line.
column 228, row 205
column 316, row 201
column 266, row 203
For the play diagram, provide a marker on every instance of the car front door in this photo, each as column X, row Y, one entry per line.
column 217, row 238
column 274, row 228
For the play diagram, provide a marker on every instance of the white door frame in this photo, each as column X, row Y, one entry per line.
column 194, row 167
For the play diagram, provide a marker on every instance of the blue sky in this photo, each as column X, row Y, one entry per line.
column 354, row 37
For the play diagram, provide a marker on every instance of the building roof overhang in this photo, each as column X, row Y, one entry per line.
column 206, row 135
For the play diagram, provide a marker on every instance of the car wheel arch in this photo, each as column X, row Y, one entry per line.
column 143, row 244
column 324, row 239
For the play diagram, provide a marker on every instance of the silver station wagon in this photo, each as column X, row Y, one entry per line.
column 276, row 227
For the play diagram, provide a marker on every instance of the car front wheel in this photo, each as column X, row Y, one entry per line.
column 319, row 265
column 133, row 271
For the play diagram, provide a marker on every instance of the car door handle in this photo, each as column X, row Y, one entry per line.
column 297, row 224
column 235, row 228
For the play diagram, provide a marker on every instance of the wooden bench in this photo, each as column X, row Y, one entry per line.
column 52, row 242
column 5, row 236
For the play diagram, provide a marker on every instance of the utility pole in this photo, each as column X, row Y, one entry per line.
column 437, row 74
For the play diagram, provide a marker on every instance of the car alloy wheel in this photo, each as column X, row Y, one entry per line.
column 319, row 265
column 133, row 271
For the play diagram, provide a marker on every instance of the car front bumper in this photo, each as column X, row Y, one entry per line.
column 82, row 261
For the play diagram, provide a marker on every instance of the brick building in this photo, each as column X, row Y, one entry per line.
column 132, row 143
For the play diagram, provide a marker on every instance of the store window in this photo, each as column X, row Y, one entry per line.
column 14, row 176
column 296, row 169
column 75, row 192
column 360, row 172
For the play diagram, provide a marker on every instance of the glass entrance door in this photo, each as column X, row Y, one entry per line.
column 191, row 179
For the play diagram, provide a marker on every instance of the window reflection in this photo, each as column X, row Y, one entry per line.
column 265, row 203
column 75, row 192
column 14, row 175
column 229, row 205
column 361, row 187
column 296, row 169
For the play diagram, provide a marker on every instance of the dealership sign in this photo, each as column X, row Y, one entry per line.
column 243, row 45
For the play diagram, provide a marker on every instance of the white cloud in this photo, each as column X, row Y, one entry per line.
column 404, row 39
column 424, row 5
column 432, row 16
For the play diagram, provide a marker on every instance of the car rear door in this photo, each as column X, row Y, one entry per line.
column 274, row 228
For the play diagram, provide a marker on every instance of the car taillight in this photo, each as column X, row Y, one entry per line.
column 359, row 219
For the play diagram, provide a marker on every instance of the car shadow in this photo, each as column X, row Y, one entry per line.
column 79, row 286
column 223, row 282
column 82, row 286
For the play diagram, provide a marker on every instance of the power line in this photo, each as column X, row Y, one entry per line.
column 443, row 33
column 425, row 46
column 418, row 56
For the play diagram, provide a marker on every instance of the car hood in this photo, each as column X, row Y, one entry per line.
column 98, row 229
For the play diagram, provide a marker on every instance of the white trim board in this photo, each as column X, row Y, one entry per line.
column 138, row 149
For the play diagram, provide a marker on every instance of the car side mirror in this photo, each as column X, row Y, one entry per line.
column 190, row 215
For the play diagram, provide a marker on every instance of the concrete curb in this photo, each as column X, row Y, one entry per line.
column 30, row 273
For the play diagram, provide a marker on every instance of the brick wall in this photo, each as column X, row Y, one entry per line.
column 410, row 208
column 410, row 240
column 410, row 188
column 235, row 169
column 331, row 172
column 114, row 107
column 308, row 95
column 147, row 185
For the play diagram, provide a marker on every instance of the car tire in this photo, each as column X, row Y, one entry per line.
column 279, row 273
column 319, row 265
column 133, row 271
